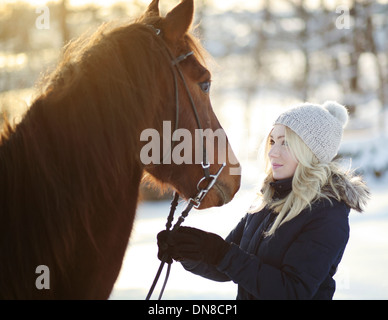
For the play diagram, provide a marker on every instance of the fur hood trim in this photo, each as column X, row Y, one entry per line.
column 351, row 189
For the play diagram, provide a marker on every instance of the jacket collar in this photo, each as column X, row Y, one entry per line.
column 282, row 188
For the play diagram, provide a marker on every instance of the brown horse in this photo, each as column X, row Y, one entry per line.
column 71, row 169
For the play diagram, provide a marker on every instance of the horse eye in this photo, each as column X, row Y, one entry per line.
column 205, row 86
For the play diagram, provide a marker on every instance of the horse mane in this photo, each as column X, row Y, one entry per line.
column 72, row 164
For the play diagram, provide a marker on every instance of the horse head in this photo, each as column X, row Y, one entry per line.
column 190, row 129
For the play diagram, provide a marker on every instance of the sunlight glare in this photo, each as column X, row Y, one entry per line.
column 75, row 3
column 220, row 4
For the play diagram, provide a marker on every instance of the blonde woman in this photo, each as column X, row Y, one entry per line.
column 290, row 246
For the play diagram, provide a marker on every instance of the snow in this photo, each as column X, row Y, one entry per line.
column 369, row 155
column 361, row 274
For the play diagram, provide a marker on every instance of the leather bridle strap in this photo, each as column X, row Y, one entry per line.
column 175, row 61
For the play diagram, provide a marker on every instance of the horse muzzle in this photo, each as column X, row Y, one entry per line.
column 222, row 192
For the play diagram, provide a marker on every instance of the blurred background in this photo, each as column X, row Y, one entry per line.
column 266, row 56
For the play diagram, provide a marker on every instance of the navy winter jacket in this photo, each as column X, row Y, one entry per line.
column 297, row 262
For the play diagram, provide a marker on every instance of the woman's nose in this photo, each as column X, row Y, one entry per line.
column 273, row 152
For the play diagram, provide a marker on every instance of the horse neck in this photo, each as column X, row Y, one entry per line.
column 66, row 173
column 79, row 142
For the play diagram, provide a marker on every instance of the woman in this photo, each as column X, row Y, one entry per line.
column 291, row 245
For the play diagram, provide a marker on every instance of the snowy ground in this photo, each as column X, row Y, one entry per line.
column 361, row 274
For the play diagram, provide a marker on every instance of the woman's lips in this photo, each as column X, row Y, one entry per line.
column 276, row 166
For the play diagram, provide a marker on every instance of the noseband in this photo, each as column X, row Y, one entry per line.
column 210, row 178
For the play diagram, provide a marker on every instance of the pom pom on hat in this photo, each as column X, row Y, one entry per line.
column 319, row 126
column 337, row 111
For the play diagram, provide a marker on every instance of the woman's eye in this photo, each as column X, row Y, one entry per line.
column 205, row 86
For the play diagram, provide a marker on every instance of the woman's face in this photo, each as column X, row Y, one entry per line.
column 282, row 161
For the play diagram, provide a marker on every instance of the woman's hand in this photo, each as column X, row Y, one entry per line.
column 191, row 244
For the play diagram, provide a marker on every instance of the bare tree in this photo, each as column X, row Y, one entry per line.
column 63, row 14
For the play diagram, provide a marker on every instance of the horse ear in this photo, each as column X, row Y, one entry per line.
column 179, row 19
column 153, row 9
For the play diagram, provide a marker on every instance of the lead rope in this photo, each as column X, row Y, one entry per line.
column 192, row 203
column 170, row 218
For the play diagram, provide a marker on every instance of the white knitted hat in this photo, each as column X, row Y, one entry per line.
column 319, row 126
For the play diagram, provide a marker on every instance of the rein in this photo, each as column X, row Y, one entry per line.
column 194, row 202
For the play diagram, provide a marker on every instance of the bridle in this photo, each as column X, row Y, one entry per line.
column 195, row 201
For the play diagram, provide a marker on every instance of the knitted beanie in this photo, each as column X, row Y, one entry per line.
column 319, row 126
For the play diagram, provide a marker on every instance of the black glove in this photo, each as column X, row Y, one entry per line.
column 192, row 244
column 165, row 250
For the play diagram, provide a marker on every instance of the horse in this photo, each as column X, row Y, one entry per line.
column 70, row 170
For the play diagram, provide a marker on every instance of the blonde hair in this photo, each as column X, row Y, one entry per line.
column 310, row 177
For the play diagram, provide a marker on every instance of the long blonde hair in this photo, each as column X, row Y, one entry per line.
column 310, row 177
